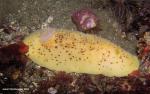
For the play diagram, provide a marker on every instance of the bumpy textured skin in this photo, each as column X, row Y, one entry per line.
column 73, row 51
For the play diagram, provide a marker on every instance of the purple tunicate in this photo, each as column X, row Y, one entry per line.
column 85, row 19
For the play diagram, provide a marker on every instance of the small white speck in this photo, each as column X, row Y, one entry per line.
column 1, row 30
column 35, row 84
column 52, row 90
column 5, row 78
column 47, row 22
column 44, row 25
column 1, row 74
column 50, row 19
column 38, row 67
column 114, row 25
column 109, row 20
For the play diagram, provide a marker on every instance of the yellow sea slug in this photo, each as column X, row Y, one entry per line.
column 73, row 51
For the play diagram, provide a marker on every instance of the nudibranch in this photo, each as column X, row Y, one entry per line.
column 73, row 51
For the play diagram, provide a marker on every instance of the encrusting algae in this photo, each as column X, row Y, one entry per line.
column 73, row 51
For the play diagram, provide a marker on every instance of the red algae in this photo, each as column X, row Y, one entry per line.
column 61, row 81
column 13, row 54
column 135, row 73
column 99, row 84
column 12, row 65
column 63, row 78
column 87, row 85
column 23, row 48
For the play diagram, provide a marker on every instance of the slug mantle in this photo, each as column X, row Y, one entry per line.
column 73, row 51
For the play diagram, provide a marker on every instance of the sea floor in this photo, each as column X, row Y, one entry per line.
column 27, row 16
